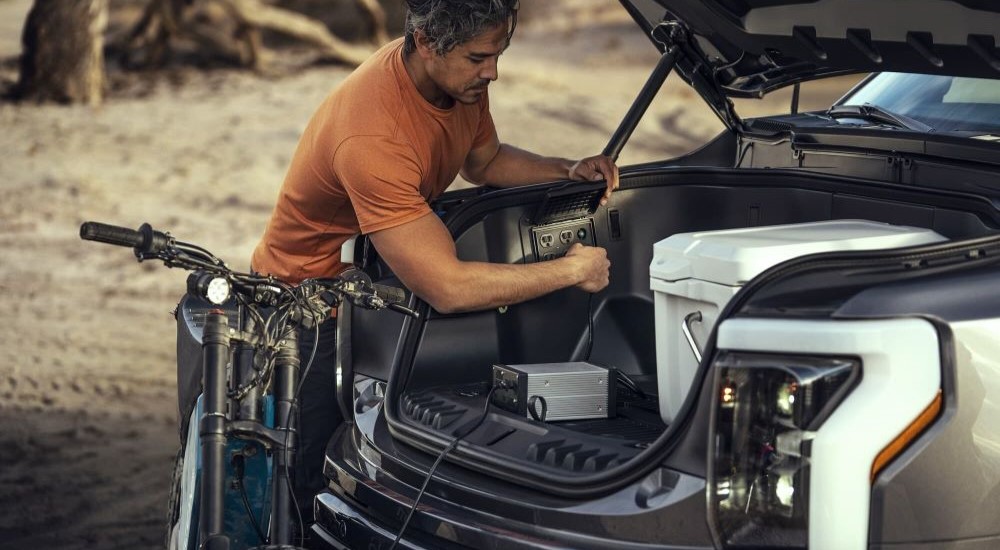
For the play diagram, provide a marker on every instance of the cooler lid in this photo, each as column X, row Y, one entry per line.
column 733, row 257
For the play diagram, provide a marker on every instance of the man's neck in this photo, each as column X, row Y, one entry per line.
column 418, row 75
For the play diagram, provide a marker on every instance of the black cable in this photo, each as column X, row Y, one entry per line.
column 272, row 330
column 626, row 381
column 292, row 411
column 533, row 410
column 430, row 473
column 246, row 501
column 590, row 327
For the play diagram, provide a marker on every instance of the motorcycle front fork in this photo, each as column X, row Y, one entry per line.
column 215, row 426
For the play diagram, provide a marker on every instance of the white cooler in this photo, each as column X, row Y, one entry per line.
column 700, row 272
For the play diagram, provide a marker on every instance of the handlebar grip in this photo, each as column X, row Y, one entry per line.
column 144, row 241
column 110, row 234
column 391, row 294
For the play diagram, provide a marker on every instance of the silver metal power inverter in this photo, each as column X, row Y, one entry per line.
column 555, row 391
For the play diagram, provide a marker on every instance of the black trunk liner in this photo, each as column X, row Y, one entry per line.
column 584, row 446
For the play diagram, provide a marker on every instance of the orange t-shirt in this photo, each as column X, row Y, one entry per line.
column 372, row 157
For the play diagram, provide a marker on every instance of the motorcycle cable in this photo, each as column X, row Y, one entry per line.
column 295, row 408
column 302, row 305
column 266, row 343
column 272, row 330
column 430, row 473
column 294, row 411
column 239, row 466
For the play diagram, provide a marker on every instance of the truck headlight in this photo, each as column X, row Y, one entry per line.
column 765, row 412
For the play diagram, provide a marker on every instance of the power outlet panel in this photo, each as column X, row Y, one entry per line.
column 554, row 240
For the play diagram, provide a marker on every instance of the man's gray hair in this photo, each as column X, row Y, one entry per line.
column 448, row 23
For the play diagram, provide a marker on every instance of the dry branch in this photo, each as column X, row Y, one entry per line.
column 166, row 20
column 253, row 13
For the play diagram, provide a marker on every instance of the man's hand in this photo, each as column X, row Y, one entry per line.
column 595, row 168
column 592, row 264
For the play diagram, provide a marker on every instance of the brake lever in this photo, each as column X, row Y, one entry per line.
column 399, row 308
column 375, row 302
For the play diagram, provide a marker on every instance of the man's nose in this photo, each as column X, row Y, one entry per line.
column 490, row 70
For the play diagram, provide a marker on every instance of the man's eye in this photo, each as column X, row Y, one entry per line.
column 477, row 60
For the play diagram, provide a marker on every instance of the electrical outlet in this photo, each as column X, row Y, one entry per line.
column 553, row 241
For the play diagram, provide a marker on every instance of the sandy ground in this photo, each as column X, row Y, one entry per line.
column 87, row 403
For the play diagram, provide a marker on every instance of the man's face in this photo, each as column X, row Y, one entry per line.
column 466, row 71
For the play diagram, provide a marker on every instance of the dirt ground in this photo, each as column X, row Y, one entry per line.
column 87, row 403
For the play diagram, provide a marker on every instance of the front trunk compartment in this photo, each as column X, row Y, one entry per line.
column 442, row 366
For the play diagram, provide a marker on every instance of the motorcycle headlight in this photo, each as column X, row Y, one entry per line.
column 765, row 412
column 211, row 287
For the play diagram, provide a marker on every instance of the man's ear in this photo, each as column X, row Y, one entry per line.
column 425, row 48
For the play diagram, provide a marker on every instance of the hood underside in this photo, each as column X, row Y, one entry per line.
column 754, row 46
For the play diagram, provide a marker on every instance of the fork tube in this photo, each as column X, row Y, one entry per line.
column 243, row 360
column 286, row 376
column 215, row 350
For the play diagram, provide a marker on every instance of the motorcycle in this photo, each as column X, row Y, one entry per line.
column 238, row 370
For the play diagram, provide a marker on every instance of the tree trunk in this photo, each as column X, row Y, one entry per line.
column 63, row 51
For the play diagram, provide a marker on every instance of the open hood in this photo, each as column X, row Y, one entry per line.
column 746, row 48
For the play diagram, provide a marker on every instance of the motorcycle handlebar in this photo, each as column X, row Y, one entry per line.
column 149, row 243
column 146, row 239
column 110, row 234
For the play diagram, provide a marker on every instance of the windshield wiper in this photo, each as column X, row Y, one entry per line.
column 875, row 113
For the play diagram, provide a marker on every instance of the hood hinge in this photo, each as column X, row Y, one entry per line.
column 696, row 71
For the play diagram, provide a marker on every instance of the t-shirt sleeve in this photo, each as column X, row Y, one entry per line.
column 486, row 129
column 382, row 178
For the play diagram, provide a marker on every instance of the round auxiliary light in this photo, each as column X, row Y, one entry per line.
column 217, row 290
column 209, row 286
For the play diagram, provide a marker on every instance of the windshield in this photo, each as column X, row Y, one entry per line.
column 945, row 103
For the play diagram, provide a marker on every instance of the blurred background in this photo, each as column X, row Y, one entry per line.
column 185, row 115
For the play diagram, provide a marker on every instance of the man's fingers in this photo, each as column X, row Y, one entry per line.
column 597, row 168
column 604, row 168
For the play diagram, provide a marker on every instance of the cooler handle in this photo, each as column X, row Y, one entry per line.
column 693, row 317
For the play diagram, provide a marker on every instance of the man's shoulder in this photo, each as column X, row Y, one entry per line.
column 376, row 81
column 370, row 100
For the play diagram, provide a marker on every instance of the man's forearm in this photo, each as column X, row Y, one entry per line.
column 512, row 167
column 422, row 254
column 479, row 285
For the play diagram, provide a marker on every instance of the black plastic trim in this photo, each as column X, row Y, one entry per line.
column 964, row 296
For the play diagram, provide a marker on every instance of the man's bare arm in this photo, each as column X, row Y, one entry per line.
column 422, row 254
column 502, row 165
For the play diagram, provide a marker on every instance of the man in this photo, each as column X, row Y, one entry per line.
column 384, row 144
